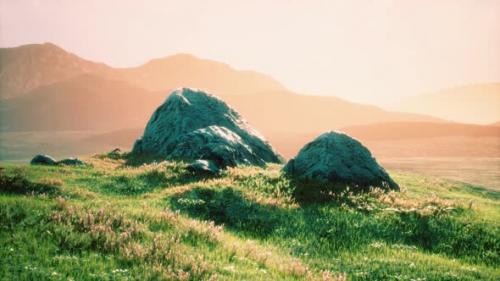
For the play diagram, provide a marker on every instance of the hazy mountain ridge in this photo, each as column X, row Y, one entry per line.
column 289, row 113
column 409, row 139
column 28, row 67
column 183, row 69
column 409, row 130
column 84, row 102
column 95, row 98
column 261, row 99
column 477, row 103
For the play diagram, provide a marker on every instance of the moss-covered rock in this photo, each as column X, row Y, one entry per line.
column 336, row 159
column 192, row 125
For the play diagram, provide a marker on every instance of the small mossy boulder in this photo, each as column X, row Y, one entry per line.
column 72, row 161
column 334, row 161
column 43, row 159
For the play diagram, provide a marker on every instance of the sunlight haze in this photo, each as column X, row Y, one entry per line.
column 366, row 51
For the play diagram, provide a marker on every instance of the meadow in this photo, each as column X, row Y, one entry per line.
column 112, row 221
column 479, row 171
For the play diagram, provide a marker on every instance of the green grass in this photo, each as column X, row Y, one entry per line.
column 113, row 221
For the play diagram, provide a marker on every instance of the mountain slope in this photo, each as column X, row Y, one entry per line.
column 85, row 102
column 184, row 70
column 28, row 67
column 289, row 113
column 94, row 98
column 416, row 130
column 409, row 139
column 89, row 102
column 479, row 103
column 73, row 101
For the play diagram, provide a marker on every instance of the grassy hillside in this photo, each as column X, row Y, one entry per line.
column 479, row 171
column 109, row 221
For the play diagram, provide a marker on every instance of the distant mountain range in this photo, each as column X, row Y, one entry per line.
column 46, row 88
column 84, row 102
column 478, row 104
column 62, row 100
column 28, row 67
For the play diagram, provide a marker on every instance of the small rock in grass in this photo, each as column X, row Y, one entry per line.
column 43, row 159
column 115, row 153
column 206, row 167
column 72, row 161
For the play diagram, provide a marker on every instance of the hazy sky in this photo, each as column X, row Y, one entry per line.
column 370, row 51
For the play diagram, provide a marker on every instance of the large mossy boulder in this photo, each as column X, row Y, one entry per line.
column 334, row 161
column 192, row 124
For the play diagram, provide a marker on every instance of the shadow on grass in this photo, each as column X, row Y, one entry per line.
column 145, row 182
column 135, row 160
column 481, row 191
column 327, row 229
column 132, row 159
column 156, row 174
column 308, row 192
column 17, row 183
column 229, row 207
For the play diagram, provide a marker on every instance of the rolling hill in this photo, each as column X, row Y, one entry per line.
column 287, row 113
column 410, row 139
column 411, row 130
column 84, row 102
column 479, row 103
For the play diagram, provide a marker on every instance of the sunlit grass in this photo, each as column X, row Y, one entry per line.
column 111, row 221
